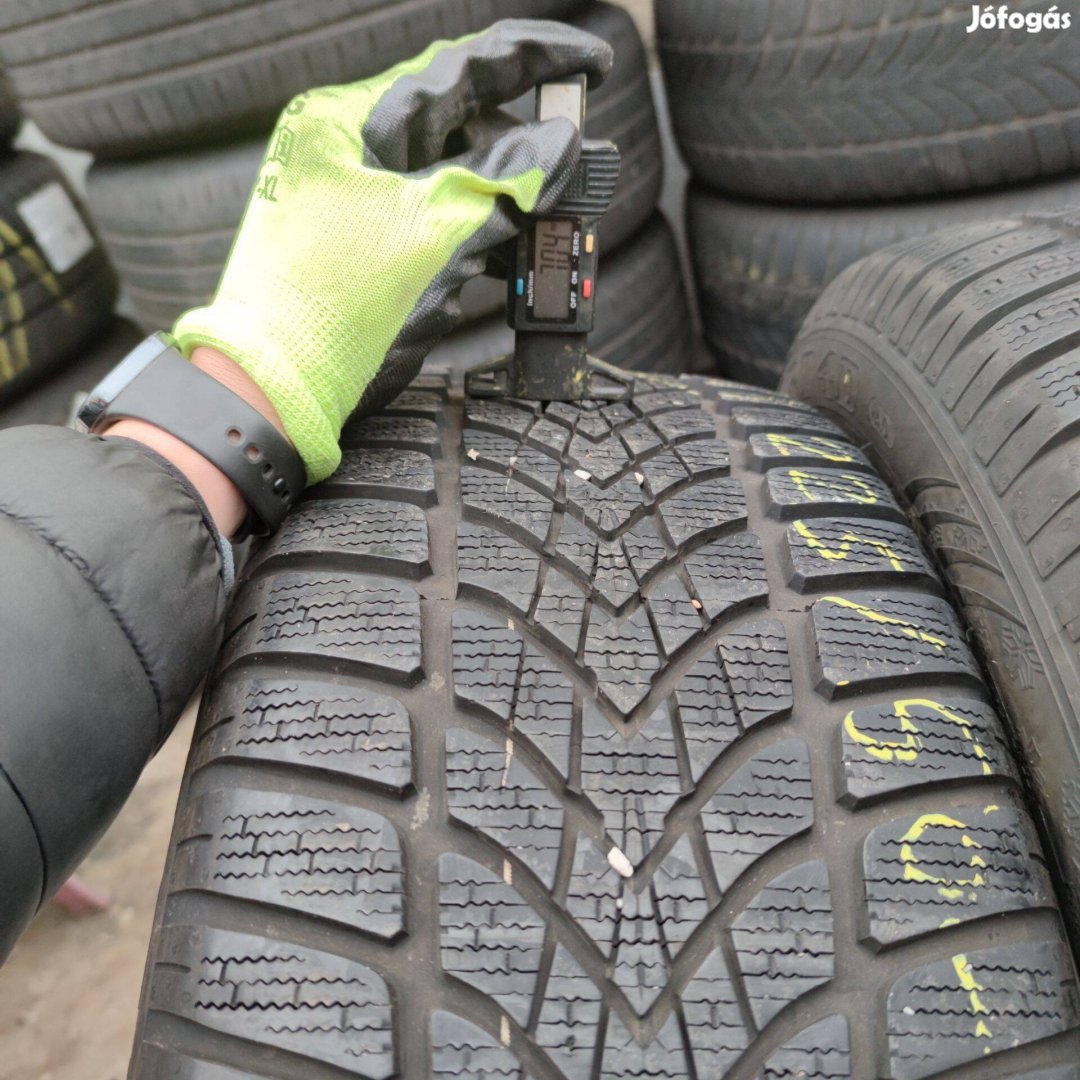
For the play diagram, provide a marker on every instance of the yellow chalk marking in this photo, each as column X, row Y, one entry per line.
column 10, row 238
column 805, row 482
column 788, row 444
column 948, row 888
column 847, row 542
column 907, row 749
column 910, row 629
column 968, row 983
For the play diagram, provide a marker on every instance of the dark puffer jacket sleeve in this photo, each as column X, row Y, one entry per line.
column 111, row 602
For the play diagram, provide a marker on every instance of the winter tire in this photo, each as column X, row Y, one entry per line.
column 954, row 360
column 863, row 100
column 56, row 286
column 760, row 268
column 127, row 77
column 622, row 741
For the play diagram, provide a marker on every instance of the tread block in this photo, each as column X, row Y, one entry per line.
column 487, row 656
column 700, row 511
column 915, row 741
column 784, row 939
column 673, row 613
column 462, row 1051
column 357, row 733
column 378, row 535
column 509, row 418
column 603, row 461
column 511, row 458
column 419, row 402
column 490, row 936
column 401, row 474
column 371, row 621
column 402, row 432
column 505, row 502
column 560, row 608
column 865, row 639
column 833, row 552
column 939, row 869
column 750, row 419
column 819, row 1052
column 831, row 491
column 632, row 780
column 607, row 511
column 762, row 803
column 705, row 458
column 773, row 449
column 277, row 994
column 640, row 968
column 594, row 894
column 489, row 788
column 569, row 1016
column 728, row 573
column 663, row 1059
column 970, row 1005
column 743, row 681
column 713, row 1020
column 496, row 566
column 326, row 859
column 661, row 473
column 489, row 665
column 679, row 895
column 624, row 656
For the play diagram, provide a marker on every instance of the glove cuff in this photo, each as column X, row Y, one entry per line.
column 312, row 431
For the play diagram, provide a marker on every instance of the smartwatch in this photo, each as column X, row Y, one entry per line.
column 156, row 384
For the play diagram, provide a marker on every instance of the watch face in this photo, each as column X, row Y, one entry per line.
column 106, row 391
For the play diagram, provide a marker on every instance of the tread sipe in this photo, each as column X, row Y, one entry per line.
column 863, row 100
column 955, row 360
column 600, row 742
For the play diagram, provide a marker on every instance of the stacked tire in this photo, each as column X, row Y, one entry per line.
column 819, row 131
column 56, row 286
column 179, row 142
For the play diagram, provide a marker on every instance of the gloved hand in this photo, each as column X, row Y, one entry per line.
column 357, row 238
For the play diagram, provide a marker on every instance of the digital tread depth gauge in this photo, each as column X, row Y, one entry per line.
column 551, row 291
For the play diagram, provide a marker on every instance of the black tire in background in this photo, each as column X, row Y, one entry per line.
column 861, row 100
column 168, row 222
column 127, row 77
column 759, row 268
column 956, row 360
column 56, row 286
column 53, row 401
column 10, row 117
column 555, row 742
column 642, row 314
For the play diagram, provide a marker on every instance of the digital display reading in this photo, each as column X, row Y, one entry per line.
column 553, row 269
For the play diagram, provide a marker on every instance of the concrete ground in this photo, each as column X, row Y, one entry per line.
column 69, row 992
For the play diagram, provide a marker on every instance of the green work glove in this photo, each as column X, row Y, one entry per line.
column 357, row 238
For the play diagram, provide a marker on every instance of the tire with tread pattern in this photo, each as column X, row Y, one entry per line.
column 954, row 359
column 863, row 100
column 57, row 288
column 168, row 222
column 122, row 78
column 578, row 741
column 760, row 268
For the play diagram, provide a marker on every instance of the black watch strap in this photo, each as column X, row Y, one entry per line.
column 177, row 397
